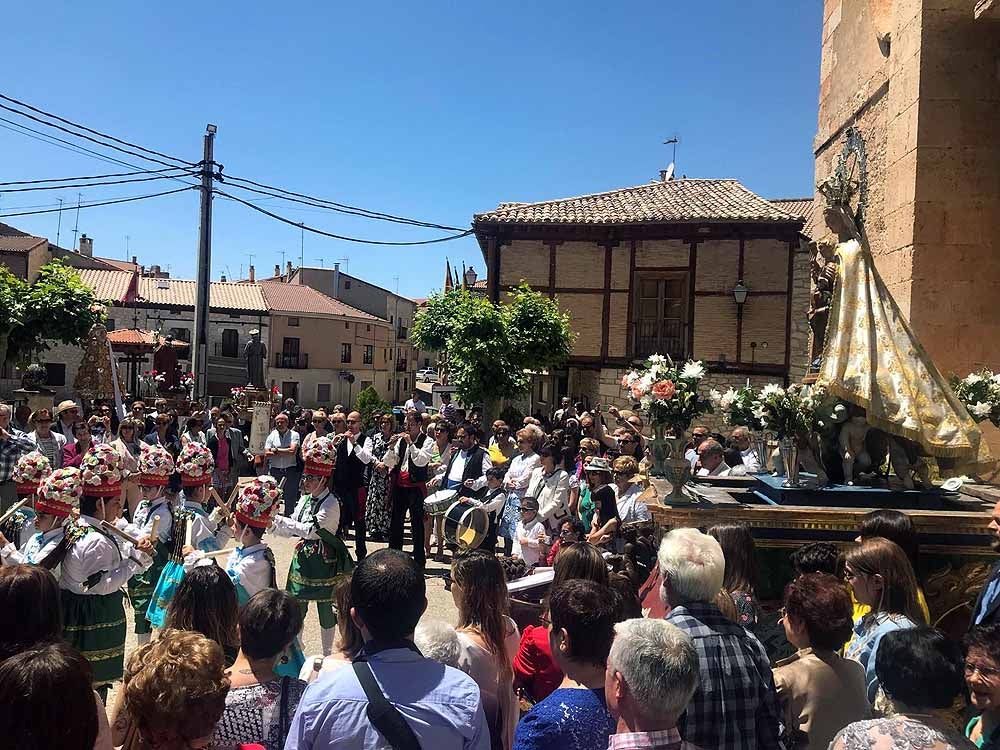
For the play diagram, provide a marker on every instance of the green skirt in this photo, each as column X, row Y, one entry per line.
column 142, row 585
column 95, row 625
column 317, row 568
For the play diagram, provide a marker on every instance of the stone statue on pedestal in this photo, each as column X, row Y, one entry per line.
column 255, row 352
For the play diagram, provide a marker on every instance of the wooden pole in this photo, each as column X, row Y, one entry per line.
column 110, row 527
column 13, row 509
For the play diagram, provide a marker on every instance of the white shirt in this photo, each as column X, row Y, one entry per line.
column 360, row 446
column 419, row 406
column 145, row 512
column 117, row 561
column 751, row 462
column 458, row 468
column 518, row 475
column 206, row 534
column 691, row 455
column 552, row 493
column 276, row 440
column 528, row 541
column 37, row 548
column 630, row 508
column 722, row 470
column 247, row 567
column 418, row 456
column 301, row 522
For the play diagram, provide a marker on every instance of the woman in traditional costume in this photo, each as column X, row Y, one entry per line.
column 96, row 566
column 29, row 471
column 58, row 495
column 321, row 558
column 156, row 466
column 193, row 527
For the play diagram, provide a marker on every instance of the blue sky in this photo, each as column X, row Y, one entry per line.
column 430, row 110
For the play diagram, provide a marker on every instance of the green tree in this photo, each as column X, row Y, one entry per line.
column 492, row 348
column 57, row 307
column 367, row 402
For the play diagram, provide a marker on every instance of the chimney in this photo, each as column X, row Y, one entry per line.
column 135, row 260
column 336, row 281
column 251, row 273
column 288, row 271
column 277, row 271
column 666, row 175
column 86, row 246
column 223, row 278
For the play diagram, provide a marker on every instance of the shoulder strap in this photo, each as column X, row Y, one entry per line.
column 284, row 718
column 384, row 716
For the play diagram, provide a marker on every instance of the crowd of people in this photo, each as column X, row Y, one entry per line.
column 677, row 654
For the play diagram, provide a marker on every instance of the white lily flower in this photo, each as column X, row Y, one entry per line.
column 981, row 410
column 772, row 389
column 693, row 370
column 973, row 378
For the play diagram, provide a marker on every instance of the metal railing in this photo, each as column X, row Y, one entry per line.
column 291, row 361
column 660, row 337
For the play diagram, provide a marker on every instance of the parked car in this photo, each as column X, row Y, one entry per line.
column 427, row 375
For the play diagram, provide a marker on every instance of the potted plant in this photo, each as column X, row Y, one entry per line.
column 790, row 414
column 979, row 392
column 738, row 407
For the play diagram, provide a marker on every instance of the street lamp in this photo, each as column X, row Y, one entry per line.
column 470, row 277
column 740, row 292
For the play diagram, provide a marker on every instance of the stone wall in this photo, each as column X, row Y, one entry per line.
column 801, row 333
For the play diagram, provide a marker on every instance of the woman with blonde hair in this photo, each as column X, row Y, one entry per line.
column 516, row 482
column 881, row 576
column 127, row 446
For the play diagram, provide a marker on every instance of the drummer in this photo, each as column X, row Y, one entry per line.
column 467, row 467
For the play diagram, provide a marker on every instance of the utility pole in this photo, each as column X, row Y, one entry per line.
column 59, row 224
column 202, row 300
column 302, row 246
column 76, row 226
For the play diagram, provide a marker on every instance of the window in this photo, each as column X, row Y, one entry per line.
column 55, row 374
column 289, row 389
column 109, row 324
column 369, row 354
column 347, row 325
column 368, row 328
column 289, row 356
column 345, row 353
column 347, row 283
column 230, row 343
column 181, row 334
column 365, row 384
column 661, row 315
column 323, row 393
column 234, row 316
column 293, row 322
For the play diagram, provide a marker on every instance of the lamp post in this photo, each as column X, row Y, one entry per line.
column 740, row 293
column 470, row 277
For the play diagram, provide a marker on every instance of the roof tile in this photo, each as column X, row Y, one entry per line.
column 107, row 285
column 674, row 201
column 222, row 295
column 283, row 297
column 807, row 209
column 20, row 243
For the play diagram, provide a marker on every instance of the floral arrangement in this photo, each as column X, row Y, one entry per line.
column 739, row 406
column 60, row 491
column 155, row 464
column 320, row 456
column 152, row 377
column 668, row 393
column 979, row 392
column 788, row 411
column 258, row 502
column 102, row 469
column 186, row 380
column 195, row 464
column 31, row 468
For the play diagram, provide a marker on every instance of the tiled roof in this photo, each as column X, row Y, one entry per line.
column 139, row 337
column 283, row 297
column 121, row 265
column 6, row 230
column 107, row 285
column 20, row 243
column 674, row 201
column 806, row 208
column 222, row 295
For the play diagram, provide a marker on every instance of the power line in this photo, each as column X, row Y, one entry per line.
column 341, row 207
column 95, row 132
column 69, row 145
column 308, row 228
column 91, row 184
column 93, row 176
column 104, row 203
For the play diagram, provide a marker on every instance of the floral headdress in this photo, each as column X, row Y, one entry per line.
column 320, row 456
column 102, row 471
column 195, row 465
column 258, row 502
column 60, row 492
column 31, row 469
column 155, row 466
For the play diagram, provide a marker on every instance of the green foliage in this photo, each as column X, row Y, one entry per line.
column 57, row 307
column 367, row 402
column 491, row 346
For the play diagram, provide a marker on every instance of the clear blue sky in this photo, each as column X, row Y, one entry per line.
column 430, row 110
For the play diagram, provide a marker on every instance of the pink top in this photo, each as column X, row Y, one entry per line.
column 222, row 462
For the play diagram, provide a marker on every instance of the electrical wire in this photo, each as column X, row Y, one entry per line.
column 91, row 184
column 57, row 142
column 333, row 205
column 308, row 228
column 95, row 132
column 95, row 204
column 93, row 176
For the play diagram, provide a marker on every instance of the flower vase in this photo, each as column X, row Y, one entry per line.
column 669, row 463
column 790, row 458
column 758, row 442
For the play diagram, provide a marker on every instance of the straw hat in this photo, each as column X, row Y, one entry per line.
column 195, row 465
column 60, row 492
column 64, row 405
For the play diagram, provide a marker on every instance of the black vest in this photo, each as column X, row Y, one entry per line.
column 473, row 469
column 417, row 473
column 349, row 473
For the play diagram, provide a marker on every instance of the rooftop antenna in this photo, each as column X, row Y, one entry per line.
column 76, row 227
column 347, row 264
column 59, row 223
column 668, row 174
column 127, row 238
column 249, row 255
column 302, row 245
column 320, row 262
column 282, row 259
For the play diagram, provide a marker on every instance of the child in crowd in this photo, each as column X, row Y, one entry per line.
column 530, row 539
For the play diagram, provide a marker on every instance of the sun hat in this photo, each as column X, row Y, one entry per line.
column 598, row 463
column 64, row 406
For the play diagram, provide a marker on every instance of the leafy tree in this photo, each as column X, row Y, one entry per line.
column 367, row 402
column 492, row 348
column 57, row 307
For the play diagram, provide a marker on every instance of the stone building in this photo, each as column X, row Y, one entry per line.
column 660, row 268
column 919, row 80
column 322, row 351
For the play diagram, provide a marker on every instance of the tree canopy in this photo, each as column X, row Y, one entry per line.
column 57, row 307
column 492, row 348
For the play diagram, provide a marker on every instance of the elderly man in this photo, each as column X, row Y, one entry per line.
column 48, row 443
column 712, row 460
column 67, row 414
column 652, row 674
column 280, row 449
column 741, row 441
column 735, row 706
column 699, row 434
column 354, row 455
column 13, row 444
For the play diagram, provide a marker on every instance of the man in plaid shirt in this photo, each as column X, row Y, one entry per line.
column 13, row 445
column 735, row 706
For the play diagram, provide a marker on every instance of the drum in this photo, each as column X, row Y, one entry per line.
column 466, row 525
column 438, row 503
